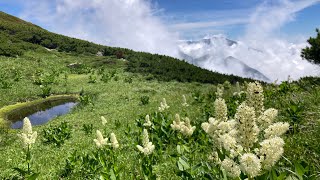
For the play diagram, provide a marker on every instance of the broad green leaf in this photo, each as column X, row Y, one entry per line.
column 184, row 163
column 33, row 176
column 179, row 149
column 112, row 175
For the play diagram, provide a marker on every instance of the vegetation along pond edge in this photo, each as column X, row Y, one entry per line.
column 7, row 110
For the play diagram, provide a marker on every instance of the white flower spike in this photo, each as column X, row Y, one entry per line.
column 184, row 101
column 100, row 141
column 104, row 121
column 147, row 123
column 28, row 137
column 147, row 147
column 114, row 141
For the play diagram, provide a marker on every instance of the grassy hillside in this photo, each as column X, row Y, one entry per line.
column 124, row 91
column 18, row 36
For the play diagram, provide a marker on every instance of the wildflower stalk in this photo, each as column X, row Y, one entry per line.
column 28, row 138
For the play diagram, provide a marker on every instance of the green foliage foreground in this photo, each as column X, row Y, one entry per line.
column 65, row 147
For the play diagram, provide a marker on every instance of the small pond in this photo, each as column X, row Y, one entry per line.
column 41, row 113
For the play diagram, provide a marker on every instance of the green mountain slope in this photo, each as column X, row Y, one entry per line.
column 18, row 36
column 4, row 17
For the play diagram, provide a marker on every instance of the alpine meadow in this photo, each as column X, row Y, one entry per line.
column 137, row 115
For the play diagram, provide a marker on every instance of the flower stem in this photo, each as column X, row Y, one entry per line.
column 28, row 158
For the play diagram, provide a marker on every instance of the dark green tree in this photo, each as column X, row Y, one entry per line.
column 312, row 53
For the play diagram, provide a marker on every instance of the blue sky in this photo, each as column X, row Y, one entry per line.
column 197, row 11
column 194, row 19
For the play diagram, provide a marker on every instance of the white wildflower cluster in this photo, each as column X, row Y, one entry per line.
column 114, row 142
column 276, row 129
column 231, row 168
column 248, row 131
column 219, row 126
column 214, row 157
column 183, row 126
column 238, row 91
column 271, row 151
column 220, row 90
column 184, row 101
column 220, row 109
column 251, row 141
column 255, row 97
column 250, row 164
column 211, row 128
column 103, row 121
column 102, row 142
column 163, row 105
column 177, row 123
column 147, row 123
column 186, row 128
column 28, row 137
column 147, row 146
column 267, row 117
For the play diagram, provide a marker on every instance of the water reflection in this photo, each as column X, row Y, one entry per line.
column 42, row 117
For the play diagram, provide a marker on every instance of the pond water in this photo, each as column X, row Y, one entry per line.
column 43, row 116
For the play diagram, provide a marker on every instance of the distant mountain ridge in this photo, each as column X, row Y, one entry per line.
column 206, row 53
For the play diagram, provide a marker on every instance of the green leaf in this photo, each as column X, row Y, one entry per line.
column 21, row 171
column 179, row 149
column 33, row 176
column 184, row 163
column 112, row 175
column 299, row 170
column 195, row 167
column 282, row 176
column 180, row 167
column 186, row 148
column 224, row 174
column 292, row 177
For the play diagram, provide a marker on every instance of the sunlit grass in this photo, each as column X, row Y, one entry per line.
column 120, row 103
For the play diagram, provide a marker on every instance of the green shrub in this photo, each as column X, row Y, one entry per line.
column 128, row 80
column 92, row 78
column 45, row 90
column 57, row 135
column 86, row 99
column 294, row 112
column 87, row 128
column 9, row 50
column 101, row 163
column 144, row 100
column 105, row 77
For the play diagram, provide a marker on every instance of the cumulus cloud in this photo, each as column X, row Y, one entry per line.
column 281, row 58
column 261, row 47
column 121, row 23
column 271, row 16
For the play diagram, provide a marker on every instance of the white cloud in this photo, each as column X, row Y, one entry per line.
column 282, row 58
column 123, row 23
column 261, row 46
column 271, row 16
